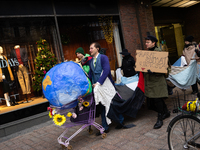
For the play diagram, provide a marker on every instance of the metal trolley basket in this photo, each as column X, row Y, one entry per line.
column 85, row 117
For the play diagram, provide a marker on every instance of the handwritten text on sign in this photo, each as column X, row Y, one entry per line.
column 151, row 60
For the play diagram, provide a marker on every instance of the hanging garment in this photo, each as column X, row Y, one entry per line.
column 104, row 94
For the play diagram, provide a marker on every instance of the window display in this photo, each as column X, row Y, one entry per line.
column 18, row 56
column 22, row 72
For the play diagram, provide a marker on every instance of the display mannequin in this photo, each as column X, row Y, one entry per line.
column 22, row 70
column 5, row 77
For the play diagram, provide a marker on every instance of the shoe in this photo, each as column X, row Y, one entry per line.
column 29, row 97
column 194, row 92
column 159, row 122
column 24, row 100
column 166, row 115
column 119, row 126
column 13, row 101
column 12, row 104
column 99, row 133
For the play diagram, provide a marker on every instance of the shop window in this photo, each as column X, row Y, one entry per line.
column 23, row 32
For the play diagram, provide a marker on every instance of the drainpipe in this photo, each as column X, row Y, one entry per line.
column 58, row 32
column 139, row 25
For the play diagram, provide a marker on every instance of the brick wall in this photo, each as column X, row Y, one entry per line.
column 192, row 22
column 128, row 10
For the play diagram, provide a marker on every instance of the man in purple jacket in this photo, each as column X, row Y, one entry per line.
column 99, row 71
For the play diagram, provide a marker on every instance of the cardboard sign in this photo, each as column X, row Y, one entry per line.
column 151, row 60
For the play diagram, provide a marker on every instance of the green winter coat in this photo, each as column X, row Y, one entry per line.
column 86, row 68
column 155, row 84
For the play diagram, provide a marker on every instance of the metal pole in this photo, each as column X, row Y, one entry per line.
column 139, row 25
column 58, row 33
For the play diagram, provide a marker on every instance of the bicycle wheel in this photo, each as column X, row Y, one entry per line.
column 180, row 130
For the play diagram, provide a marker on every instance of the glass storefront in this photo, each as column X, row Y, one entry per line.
column 171, row 39
column 20, row 31
column 18, row 38
column 25, row 32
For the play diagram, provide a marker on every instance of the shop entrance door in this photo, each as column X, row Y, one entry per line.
column 168, row 35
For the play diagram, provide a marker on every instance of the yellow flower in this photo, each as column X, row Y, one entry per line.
column 86, row 104
column 59, row 119
column 69, row 114
column 50, row 116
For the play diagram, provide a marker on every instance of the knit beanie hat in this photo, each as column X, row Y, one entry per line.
column 189, row 38
column 80, row 50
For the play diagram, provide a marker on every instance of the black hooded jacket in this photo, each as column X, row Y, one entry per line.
column 128, row 64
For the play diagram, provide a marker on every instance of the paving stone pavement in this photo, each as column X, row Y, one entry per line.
column 140, row 137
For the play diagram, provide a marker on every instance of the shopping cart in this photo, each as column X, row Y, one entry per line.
column 65, row 118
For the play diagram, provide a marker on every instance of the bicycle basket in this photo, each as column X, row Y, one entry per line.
column 180, row 99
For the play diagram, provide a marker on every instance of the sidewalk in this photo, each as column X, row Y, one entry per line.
column 140, row 137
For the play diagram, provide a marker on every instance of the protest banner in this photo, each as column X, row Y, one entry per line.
column 155, row 61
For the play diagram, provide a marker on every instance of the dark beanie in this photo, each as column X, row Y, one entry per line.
column 152, row 38
column 189, row 38
column 80, row 50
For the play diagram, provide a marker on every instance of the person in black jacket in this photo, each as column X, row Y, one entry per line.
column 128, row 63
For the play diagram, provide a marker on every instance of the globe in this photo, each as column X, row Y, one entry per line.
column 64, row 83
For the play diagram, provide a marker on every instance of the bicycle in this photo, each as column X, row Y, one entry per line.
column 184, row 129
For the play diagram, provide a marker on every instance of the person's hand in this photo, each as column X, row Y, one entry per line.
column 21, row 65
column 84, row 60
column 149, row 71
column 94, row 85
column 3, row 77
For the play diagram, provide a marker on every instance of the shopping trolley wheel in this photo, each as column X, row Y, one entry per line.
column 69, row 147
column 63, row 146
column 104, row 135
column 90, row 131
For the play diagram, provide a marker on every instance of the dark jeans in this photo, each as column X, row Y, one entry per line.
column 157, row 104
column 195, row 87
column 103, row 118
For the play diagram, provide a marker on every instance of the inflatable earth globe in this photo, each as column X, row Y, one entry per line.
column 64, row 83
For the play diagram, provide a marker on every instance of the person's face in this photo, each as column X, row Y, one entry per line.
column 93, row 50
column 1, row 50
column 79, row 55
column 149, row 44
column 16, row 47
column 186, row 42
column 123, row 55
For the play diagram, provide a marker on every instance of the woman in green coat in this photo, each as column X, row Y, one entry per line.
column 156, row 88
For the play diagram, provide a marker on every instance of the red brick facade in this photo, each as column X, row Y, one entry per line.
column 128, row 15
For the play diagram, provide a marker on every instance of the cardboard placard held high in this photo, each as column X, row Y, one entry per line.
column 151, row 60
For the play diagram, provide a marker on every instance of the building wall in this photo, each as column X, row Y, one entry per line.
column 192, row 22
column 129, row 10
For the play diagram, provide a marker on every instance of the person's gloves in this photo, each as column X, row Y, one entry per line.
column 150, row 72
column 83, row 61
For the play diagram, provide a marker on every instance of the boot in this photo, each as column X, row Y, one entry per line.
column 29, row 97
column 13, row 101
column 159, row 122
column 166, row 115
